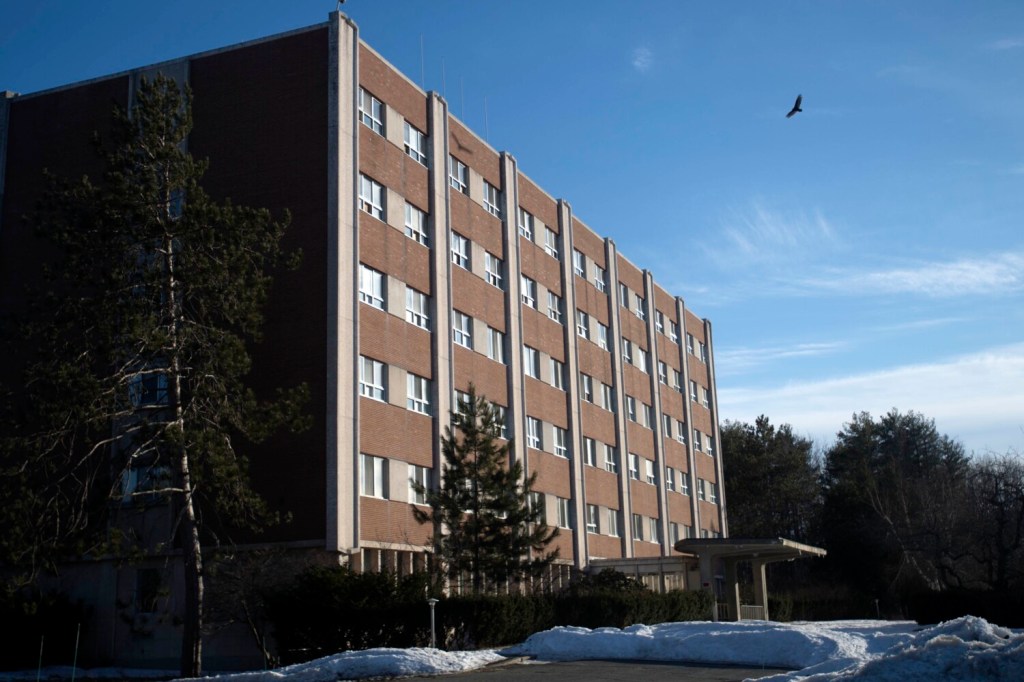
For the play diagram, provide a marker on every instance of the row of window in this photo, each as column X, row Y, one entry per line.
column 373, row 384
column 372, row 115
column 526, row 223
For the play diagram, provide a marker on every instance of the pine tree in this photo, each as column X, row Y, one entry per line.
column 137, row 389
column 486, row 524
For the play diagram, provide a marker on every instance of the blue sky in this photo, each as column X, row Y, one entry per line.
column 866, row 254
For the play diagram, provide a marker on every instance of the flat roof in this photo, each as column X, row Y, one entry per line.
column 766, row 549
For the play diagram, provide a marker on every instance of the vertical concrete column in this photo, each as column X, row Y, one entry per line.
column 761, row 588
column 342, row 528
column 658, row 427
column 719, row 468
column 732, row 589
column 615, row 347
column 514, row 313
column 440, row 273
column 691, row 460
column 5, row 122
column 706, row 563
column 573, row 403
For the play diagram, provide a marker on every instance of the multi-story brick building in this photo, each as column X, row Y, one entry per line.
column 431, row 261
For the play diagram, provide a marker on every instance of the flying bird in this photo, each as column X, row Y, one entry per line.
column 796, row 106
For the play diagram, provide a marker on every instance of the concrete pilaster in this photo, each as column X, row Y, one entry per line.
column 615, row 348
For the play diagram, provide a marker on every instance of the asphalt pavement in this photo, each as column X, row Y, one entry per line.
column 612, row 671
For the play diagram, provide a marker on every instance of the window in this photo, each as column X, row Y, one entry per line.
column 670, row 479
column 418, row 476
column 684, row 483
column 703, row 351
column 666, row 425
column 371, row 287
column 561, row 441
column 525, row 224
column 611, row 459
column 140, row 482
column 646, row 415
column 492, row 199
column 659, row 322
column 502, row 420
column 701, row 489
column 495, row 345
column 631, row 408
column 415, row 143
column 579, row 264
column 460, row 250
column 417, row 308
column 673, row 331
column 677, row 379
column 602, row 336
column 416, row 225
column 711, row 445
column 531, row 362
column 655, row 528
column 534, row 437
column 557, row 374
column 583, row 324
column 624, row 295
column 705, row 397
column 680, row 431
column 712, row 492
column 461, row 401
column 374, row 481
column 693, row 390
column 462, row 326
column 555, row 307
column 371, row 112
column 641, row 306
column 649, row 474
column 662, row 373
column 627, row 350
column 607, row 397
column 587, row 387
column 634, row 466
column 589, row 451
column 673, row 529
column 537, row 505
column 696, row 440
column 147, row 590
column 591, row 518
column 148, row 388
column 600, row 278
column 689, row 344
column 371, row 196
column 641, row 359
column 529, row 288
column 564, row 513
column 418, row 394
column 458, row 175
column 551, row 242
column 372, row 379
column 638, row 527
column 613, row 522
column 494, row 269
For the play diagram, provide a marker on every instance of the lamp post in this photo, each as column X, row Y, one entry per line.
column 433, row 638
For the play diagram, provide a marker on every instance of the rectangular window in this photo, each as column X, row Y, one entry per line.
column 666, row 425
column 148, row 388
column 534, row 433
column 649, row 474
column 689, row 344
column 495, row 345
column 613, row 522
column 680, row 431
column 525, row 224
column 591, row 518
column 631, row 408
column 561, row 437
column 421, row 476
column 602, row 336
column 627, row 350
column 623, row 295
column 611, row 459
column 583, row 324
column 537, row 504
column 705, row 397
column 415, row 143
column 712, row 492
column 673, row 528
column 503, row 420
column 673, row 331
column 531, row 362
column 374, row 481
column 655, row 528
column 461, row 401
column 589, row 451
column 555, row 307
column 492, row 199
column 711, row 445
column 662, row 373
column 641, row 359
column 372, row 378
column 564, row 513
column 579, row 264
column 371, row 112
column 418, row 394
column 677, row 379
column 696, row 440
column 638, row 527
column 684, row 483
column 529, row 290
column 458, row 175
column 701, row 489
column 646, row 415
column 371, row 196
column 417, row 308
column 600, row 278
column 634, row 466
column 462, row 328
column 587, row 387
column 659, row 322
column 551, row 242
column 416, row 225
column 371, row 287
column 641, row 306
column 703, row 351
column 494, row 269
column 693, row 390
column 460, row 250
column 558, row 374
column 670, row 479
column 607, row 397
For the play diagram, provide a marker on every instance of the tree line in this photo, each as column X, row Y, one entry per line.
column 903, row 511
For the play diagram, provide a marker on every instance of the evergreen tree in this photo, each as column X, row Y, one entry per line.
column 137, row 388
column 485, row 523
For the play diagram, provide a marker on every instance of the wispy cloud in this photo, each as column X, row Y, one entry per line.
column 744, row 359
column 975, row 398
column 1006, row 43
column 994, row 275
column 759, row 235
column 642, row 59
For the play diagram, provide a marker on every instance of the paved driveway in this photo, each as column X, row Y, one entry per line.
column 612, row 671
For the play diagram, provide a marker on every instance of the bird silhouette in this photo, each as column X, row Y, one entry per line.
column 796, row 106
